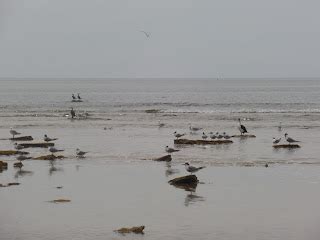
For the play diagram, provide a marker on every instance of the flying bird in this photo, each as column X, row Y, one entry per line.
column 146, row 33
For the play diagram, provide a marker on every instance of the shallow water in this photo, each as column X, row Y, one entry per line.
column 117, row 185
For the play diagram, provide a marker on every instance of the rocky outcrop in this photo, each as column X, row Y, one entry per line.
column 137, row 230
column 22, row 138
column 286, row 146
column 244, row 136
column 201, row 142
column 34, row 145
column 166, row 158
column 49, row 157
column 12, row 152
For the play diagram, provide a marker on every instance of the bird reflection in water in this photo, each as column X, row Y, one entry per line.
column 53, row 169
column 191, row 197
column 170, row 171
column 20, row 172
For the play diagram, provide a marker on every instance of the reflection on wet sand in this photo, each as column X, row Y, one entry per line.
column 53, row 169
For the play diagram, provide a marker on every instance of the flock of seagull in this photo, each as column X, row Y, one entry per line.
column 189, row 168
column 52, row 150
column 243, row 130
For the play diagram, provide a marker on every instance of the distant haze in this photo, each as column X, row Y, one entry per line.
column 188, row 38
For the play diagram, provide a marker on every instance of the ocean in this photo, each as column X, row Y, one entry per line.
column 118, row 185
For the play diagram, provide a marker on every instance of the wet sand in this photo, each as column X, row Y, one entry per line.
column 113, row 187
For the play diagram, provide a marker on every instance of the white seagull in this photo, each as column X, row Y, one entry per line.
column 178, row 135
column 276, row 141
column 22, row 158
column 18, row 146
column 242, row 128
column 194, row 129
column 289, row 139
column 212, row 136
column 14, row 132
column 218, row 135
column 54, row 150
column 80, row 153
column 191, row 169
column 171, row 150
column 47, row 139
column 225, row 135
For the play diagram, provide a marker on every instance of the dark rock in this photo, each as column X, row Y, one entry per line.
column 166, row 158
column 3, row 165
column 49, row 157
column 286, row 146
column 137, row 230
column 11, row 152
column 23, row 138
column 185, row 180
column 244, row 136
column 201, row 142
column 33, row 145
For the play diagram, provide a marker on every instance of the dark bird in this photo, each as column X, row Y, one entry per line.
column 146, row 33
column 289, row 139
column 242, row 128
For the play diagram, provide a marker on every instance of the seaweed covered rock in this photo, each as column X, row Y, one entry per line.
column 9, row 184
column 22, row 138
column 49, row 157
column 286, row 146
column 38, row 145
column 137, row 230
column 166, row 158
column 61, row 200
column 188, row 179
column 12, row 152
column 201, row 142
column 244, row 136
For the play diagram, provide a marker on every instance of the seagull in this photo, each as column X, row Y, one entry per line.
column 80, row 153
column 18, row 146
column 47, row 139
column 73, row 114
column 192, row 169
column 160, row 125
column 242, row 128
column 79, row 96
column 204, row 136
column 218, row 135
column 276, row 141
column 54, row 150
column 289, row 139
column 171, row 150
column 225, row 135
column 14, row 132
column 212, row 136
column 178, row 135
column 194, row 129
column 146, row 33
column 73, row 97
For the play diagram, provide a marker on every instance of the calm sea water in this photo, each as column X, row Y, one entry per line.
column 117, row 185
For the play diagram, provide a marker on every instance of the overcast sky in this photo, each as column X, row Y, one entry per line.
column 189, row 38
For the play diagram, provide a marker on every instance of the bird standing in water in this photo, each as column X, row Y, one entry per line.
column 242, row 128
